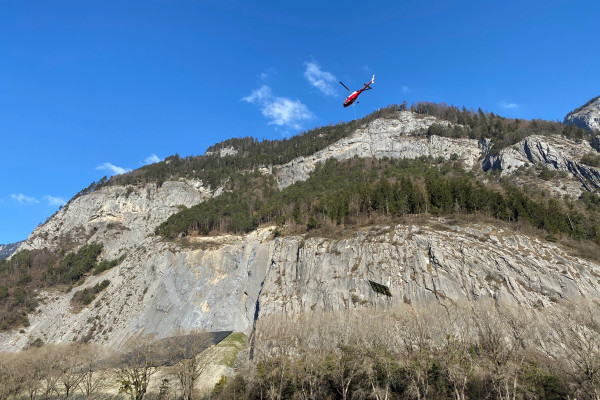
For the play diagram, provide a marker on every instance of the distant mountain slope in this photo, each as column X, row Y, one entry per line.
column 586, row 116
column 7, row 249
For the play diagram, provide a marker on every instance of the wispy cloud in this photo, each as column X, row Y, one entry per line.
column 260, row 95
column 322, row 80
column 23, row 199
column 114, row 170
column 266, row 75
column 151, row 159
column 508, row 106
column 405, row 89
column 280, row 111
column 55, row 201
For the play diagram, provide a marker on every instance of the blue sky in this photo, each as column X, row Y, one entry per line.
column 93, row 88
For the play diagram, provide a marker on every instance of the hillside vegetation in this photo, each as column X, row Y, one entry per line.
column 28, row 271
column 338, row 194
column 361, row 190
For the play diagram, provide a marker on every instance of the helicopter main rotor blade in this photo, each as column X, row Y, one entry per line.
column 345, row 86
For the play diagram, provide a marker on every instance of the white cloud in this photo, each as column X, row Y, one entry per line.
column 260, row 95
column 281, row 111
column 151, row 159
column 55, row 201
column 509, row 106
column 284, row 111
column 23, row 199
column 322, row 80
column 112, row 168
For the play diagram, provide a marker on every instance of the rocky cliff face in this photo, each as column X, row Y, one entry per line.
column 119, row 217
column 587, row 117
column 227, row 282
column 400, row 137
column 437, row 261
column 552, row 152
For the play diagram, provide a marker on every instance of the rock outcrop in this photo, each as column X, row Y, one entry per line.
column 120, row 218
column 595, row 143
column 555, row 153
column 587, row 116
column 400, row 137
column 438, row 261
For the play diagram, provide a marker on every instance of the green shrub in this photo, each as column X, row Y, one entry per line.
column 3, row 292
column 105, row 265
column 87, row 295
column 546, row 174
column 75, row 265
column 591, row 159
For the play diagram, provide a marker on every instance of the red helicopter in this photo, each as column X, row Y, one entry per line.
column 350, row 99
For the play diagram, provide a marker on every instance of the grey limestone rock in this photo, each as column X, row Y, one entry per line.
column 555, row 153
column 227, row 282
column 587, row 116
column 400, row 137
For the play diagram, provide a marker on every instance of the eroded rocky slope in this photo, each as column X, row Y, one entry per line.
column 401, row 137
column 121, row 218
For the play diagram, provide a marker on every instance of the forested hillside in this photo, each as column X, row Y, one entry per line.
column 360, row 191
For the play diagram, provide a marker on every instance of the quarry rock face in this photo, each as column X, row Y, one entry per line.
column 230, row 281
column 425, row 264
column 227, row 282
column 587, row 117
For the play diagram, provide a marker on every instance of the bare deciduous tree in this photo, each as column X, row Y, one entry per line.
column 579, row 330
column 91, row 379
column 135, row 368
column 347, row 367
column 11, row 375
column 68, row 366
column 183, row 351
